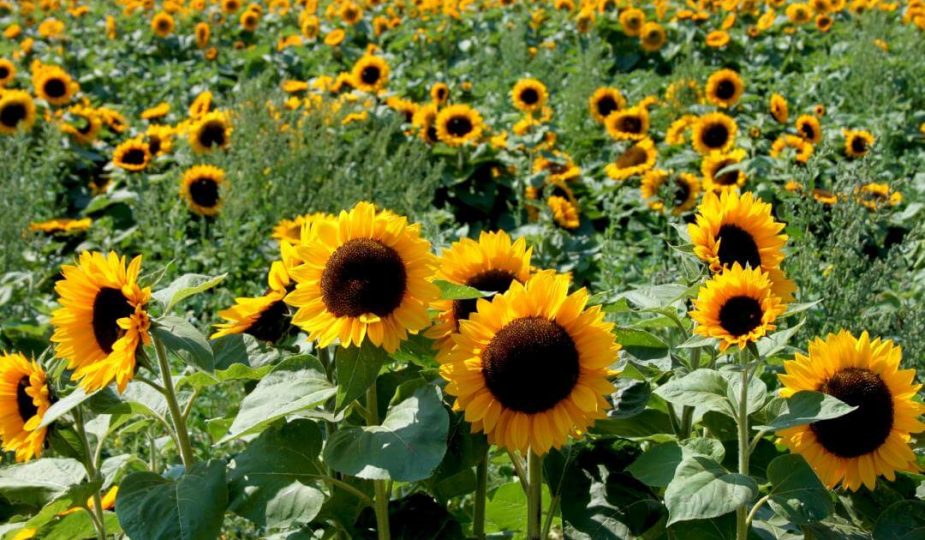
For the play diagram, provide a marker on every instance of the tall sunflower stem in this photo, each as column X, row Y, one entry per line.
column 381, row 487
column 176, row 415
column 744, row 443
column 93, row 473
column 534, row 495
column 481, row 493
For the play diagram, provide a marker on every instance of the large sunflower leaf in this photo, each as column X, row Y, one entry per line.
column 184, row 287
column 703, row 489
column 904, row 520
column 703, row 388
column 796, row 492
column 806, row 407
column 357, row 369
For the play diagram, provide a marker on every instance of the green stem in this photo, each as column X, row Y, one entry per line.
column 382, row 491
column 534, row 495
column 742, row 421
column 481, row 493
column 687, row 413
column 550, row 515
column 364, row 498
column 93, row 473
column 751, row 515
column 170, row 395
column 520, row 469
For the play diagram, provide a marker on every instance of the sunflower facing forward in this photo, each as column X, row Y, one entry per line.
column 872, row 440
column 102, row 319
column 714, row 132
column 604, row 102
column 370, row 73
column 132, row 155
column 17, row 112
column 636, row 159
column 201, row 188
column 724, row 88
column 715, row 179
column 529, row 95
column 858, row 142
column 490, row 264
column 459, row 124
column 366, row 275
column 212, row 131
column 630, row 124
column 24, row 399
column 529, row 368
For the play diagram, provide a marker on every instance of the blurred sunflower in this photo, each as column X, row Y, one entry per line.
column 84, row 125
column 663, row 190
column 439, row 93
column 201, row 187
column 652, row 36
column 636, row 159
column 714, row 132
column 61, row 226
column 425, row 119
column 17, row 111
column 675, row 134
column 632, row 20
column 717, row 39
column 605, row 101
column 871, row 441
column 630, row 124
column 102, row 319
column 162, row 24
column 803, row 149
column 563, row 206
column 529, row 95
column 157, row 112
column 529, row 368
column 159, row 139
column 780, row 110
column 7, row 72
column 366, row 275
column 857, row 142
column 201, row 105
column 203, row 32
column 875, row 196
column 370, row 73
column 54, row 85
column 808, row 127
column 458, row 125
column 211, row 131
column 713, row 164
column 292, row 230
column 24, row 399
column 724, row 88
column 132, row 155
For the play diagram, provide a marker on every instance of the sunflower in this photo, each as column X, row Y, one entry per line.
column 490, row 264
column 871, row 441
column 158, row 111
column 803, row 149
column 292, row 230
column 724, row 88
column 564, row 209
column 24, row 399
column 824, row 22
column 736, row 229
column 808, row 127
column 425, row 119
column 529, row 367
column 63, row 226
column 17, row 112
column 737, row 307
column 630, row 124
column 203, row 32
column 661, row 189
column 858, row 142
column 231, row 6
column 632, row 20
column 85, row 125
column 780, row 110
column 714, row 132
column 132, row 155
column 799, row 13
column 458, row 125
column 7, row 72
column 249, row 20
column 370, row 73
column 366, row 275
column 54, row 85
column 160, row 139
column 439, row 93
column 211, row 131
column 405, row 107
column 652, row 37
column 605, row 101
column 529, row 95
column 675, row 134
column 717, row 39
column 162, row 24
column 201, row 105
column 876, row 195
column 714, row 179
column 559, row 169
column 201, row 186
column 265, row 317
column 636, row 159
column 102, row 320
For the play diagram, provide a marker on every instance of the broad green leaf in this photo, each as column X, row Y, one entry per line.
column 796, row 492
column 357, row 369
column 630, row 397
column 648, row 423
column 720, row 528
column 655, row 296
column 455, row 291
column 696, row 341
column 806, row 407
column 184, row 287
column 151, row 507
column 183, row 339
column 242, row 349
column 117, row 467
column 77, row 525
column 703, row 489
column 138, row 398
column 777, row 342
column 507, row 506
column 904, row 520
column 645, row 347
column 64, row 406
column 703, row 388
column 656, row 466
column 793, row 309
column 268, row 481
column 296, row 385
column 65, row 442
column 234, row 372
column 757, row 392
column 37, row 482
column 73, row 496
column 407, row 447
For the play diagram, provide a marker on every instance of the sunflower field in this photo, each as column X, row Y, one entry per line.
column 446, row 269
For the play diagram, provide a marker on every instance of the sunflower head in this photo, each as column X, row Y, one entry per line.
column 714, row 132
column 632, row 20
column 635, row 160
column 24, row 399
column 808, row 127
column 7, row 72
column 425, row 120
column 439, row 93
column 264, row 317
column 162, row 24
column 604, row 102
column 529, row 367
column 724, row 88
column 664, row 190
column 211, row 131
column 871, row 441
column 717, row 39
column 54, row 85
column 529, row 95
column 652, row 36
column 370, row 73
column 458, row 125
column 780, row 110
column 201, row 187
column 858, row 142
column 715, row 178
column 132, row 155
column 630, row 124
column 102, row 319
column 17, row 112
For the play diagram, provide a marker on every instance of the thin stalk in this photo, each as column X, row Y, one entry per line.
column 93, row 473
column 744, row 444
column 751, row 515
column 520, row 469
column 481, row 493
column 381, row 487
column 534, row 495
column 687, row 413
column 364, row 498
column 550, row 515
column 188, row 408
column 170, row 395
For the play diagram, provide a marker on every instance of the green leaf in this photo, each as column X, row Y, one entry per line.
column 645, row 347
column 656, row 466
column 234, row 372
column 407, row 447
column 296, row 385
column 182, row 338
column 117, row 467
column 77, row 525
column 242, row 349
column 777, row 342
column 806, row 407
column 630, row 397
column 455, row 291
column 184, row 287
column 655, row 296
column 904, row 520
column 648, row 423
column 267, row 482
column 796, row 492
column 64, row 406
column 757, row 392
column 703, row 388
column 75, row 495
column 703, row 489
column 151, row 507
column 507, row 506
column 357, row 369
column 37, row 482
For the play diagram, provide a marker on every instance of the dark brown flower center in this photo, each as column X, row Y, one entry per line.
column 865, row 429
column 134, row 156
column 363, row 276
column 633, row 157
column 682, row 192
column 726, row 89
column 740, row 315
column 204, row 192
column 737, row 246
column 4, row 72
column 212, row 134
column 459, row 126
column 630, row 124
column 859, row 145
column 531, row 365
column 529, row 96
column 715, row 136
column 109, row 306
column 272, row 324
column 606, row 105
column 727, row 178
column 27, row 408
column 13, row 114
column 808, row 130
column 55, row 88
column 496, row 281
column 370, row 75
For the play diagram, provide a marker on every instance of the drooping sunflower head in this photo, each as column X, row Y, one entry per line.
column 630, row 124
column 808, row 127
column 664, row 190
column 529, row 368
column 366, row 275
column 871, row 441
column 425, row 119
column 24, row 399
column 559, row 167
column 54, row 85
column 458, row 125
column 17, row 112
column 715, row 178
column 635, row 160
column 737, row 229
column 858, row 142
column 62, row 226
column 714, row 132
column 737, row 306
column 724, row 88
column 370, row 73
column 492, row 264
column 84, row 125
column 201, row 187
column 201, row 105
column 133, row 155
column 210, row 132
column 604, row 102
column 780, row 110
column 529, row 95
column 802, row 149
column 652, row 36
column 102, row 319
